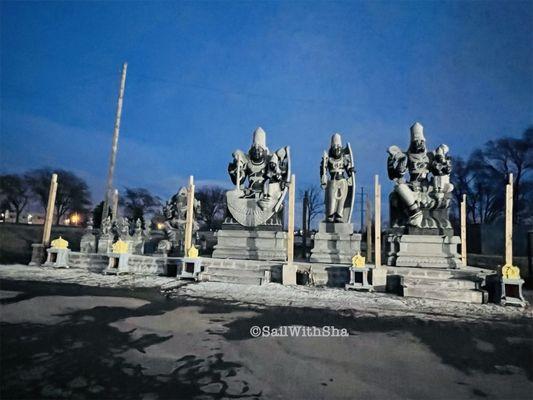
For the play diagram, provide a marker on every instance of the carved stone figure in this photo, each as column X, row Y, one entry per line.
column 422, row 199
column 253, row 228
column 88, row 240
column 421, row 233
column 175, row 212
column 335, row 241
column 337, row 179
column 261, row 179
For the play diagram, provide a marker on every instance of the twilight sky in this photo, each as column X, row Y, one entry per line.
column 203, row 75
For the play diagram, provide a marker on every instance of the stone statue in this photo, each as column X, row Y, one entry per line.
column 422, row 199
column 88, row 240
column 335, row 241
column 106, row 226
column 421, row 234
column 261, row 178
column 253, row 228
column 339, row 185
column 175, row 212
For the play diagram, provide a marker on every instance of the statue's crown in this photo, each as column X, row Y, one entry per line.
column 336, row 140
column 259, row 138
column 417, row 132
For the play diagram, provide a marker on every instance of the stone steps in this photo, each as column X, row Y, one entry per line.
column 233, row 278
column 450, row 283
column 446, row 294
column 234, row 271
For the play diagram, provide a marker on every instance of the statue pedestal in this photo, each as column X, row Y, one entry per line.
column 428, row 251
column 335, row 243
column 251, row 244
column 104, row 244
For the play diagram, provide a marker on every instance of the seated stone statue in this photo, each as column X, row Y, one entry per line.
column 339, row 185
column 261, row 178
column 423, row 199
column 175, row 212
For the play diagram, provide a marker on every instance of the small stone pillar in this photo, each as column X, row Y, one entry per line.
column 511, row 286
column 359, row 275
column 191, row 266
column 58, row 254
column 118, row 259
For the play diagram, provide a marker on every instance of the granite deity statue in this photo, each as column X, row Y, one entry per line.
column 335, row 241
column 421, row 234
column 337, row 178
column 422, row 191
column 261, row 178
column 175, row 212
column 253, row 227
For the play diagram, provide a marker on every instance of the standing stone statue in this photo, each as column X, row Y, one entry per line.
column 88, row 242
column 419, row 205
column 335, row 241
column 254, row 219
column 337, row 179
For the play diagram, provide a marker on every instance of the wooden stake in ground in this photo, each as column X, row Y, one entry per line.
column 290, row 221
column 509, row 221
column 368, row 231
column 47, row 229
column 114, row 146
column 377, row 221
column 189, row 219
column 463, row 231
column 305, row 223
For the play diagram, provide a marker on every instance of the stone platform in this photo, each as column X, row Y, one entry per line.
column 335, row 243
column 467, row 285
column 251, row 244
column 428, row 251
column 137, row 264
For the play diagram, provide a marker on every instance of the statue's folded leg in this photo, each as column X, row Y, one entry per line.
column 409, row 199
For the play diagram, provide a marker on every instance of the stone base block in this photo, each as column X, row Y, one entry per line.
column 429, row 251
column 289, row 274
column 38, row 254
column 335, row 243
column 251, row 245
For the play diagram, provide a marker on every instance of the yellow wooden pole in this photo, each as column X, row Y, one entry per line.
column 377, row 221
column 290, row 222
column 47, row 229
column 190, row 215
column 463, row 231
column 509, row 221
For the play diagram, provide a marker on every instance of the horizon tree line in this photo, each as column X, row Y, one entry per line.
column 482, row 177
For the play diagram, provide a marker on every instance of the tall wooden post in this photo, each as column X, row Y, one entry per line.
column 290, row 221
column 305, row 222
column 377, row 221
column 368, row 231
column 189, row 219
column 463, row 231
column 114, row 146
column 509, row 221
column 47, row 229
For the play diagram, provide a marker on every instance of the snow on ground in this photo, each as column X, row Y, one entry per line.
column 273, row 294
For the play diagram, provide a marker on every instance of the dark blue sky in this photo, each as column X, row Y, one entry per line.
column 203, row 75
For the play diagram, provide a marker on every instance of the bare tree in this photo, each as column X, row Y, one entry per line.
column 72, row 191
column 14, row 194
column 138, row 202
column 213, row 205
column 484, row 176
column 315, row 202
